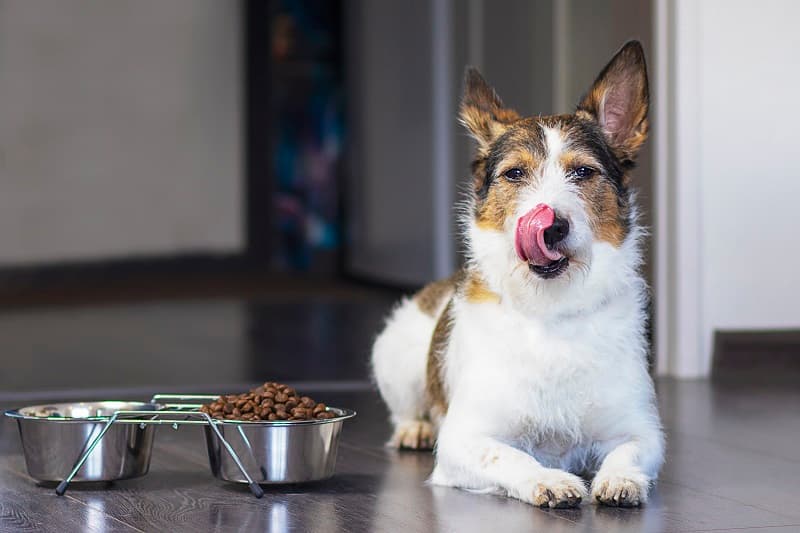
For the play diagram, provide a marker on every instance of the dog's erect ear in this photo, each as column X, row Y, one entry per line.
column 482, row 111
column 619, row 99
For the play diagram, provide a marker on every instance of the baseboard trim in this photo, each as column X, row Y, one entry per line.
column 123, row 278
column 757, row 355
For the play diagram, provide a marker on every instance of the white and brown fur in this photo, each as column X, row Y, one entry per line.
column 526, row 382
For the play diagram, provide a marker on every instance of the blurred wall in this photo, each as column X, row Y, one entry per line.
column 390, row 181
column 733, row 257
column 751, row 182
column 119, row 128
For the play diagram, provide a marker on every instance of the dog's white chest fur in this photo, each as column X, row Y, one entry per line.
column 546, row 384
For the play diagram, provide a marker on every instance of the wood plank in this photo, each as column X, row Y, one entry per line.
column 26, row 507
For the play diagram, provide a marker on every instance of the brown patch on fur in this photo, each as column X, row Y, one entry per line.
column 476, row 290
column 501, row 201
column 501, row 198
column 571, row 158
column 433, row 295
column 434, row 381
column 429, row 300
column 608, row 218
column 482, row 111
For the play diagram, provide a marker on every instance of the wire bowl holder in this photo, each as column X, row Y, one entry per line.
column 178, row 410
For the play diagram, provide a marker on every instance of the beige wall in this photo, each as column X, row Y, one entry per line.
column 119, row 128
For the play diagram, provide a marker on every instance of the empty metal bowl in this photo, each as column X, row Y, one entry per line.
column 54, row 437
column 279, row 451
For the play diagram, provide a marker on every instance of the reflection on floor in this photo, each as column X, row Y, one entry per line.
column 192, row 344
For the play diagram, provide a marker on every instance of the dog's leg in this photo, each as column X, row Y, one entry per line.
column 483, row 463
column 414, row 434
column 628, row 469
column 399, row 362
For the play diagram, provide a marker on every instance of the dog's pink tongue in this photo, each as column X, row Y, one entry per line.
column 529, row 241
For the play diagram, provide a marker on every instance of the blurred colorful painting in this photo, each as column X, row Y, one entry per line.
column 308, row 132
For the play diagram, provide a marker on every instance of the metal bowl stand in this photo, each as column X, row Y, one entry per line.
column 176, row 411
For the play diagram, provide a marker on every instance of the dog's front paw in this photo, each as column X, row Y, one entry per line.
column 619, row 490
column 414, row 435
column 555, row 489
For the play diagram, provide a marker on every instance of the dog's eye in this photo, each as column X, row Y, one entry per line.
column 583, row 173
column 514, row 174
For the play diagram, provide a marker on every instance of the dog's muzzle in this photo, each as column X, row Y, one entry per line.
column 538, row 233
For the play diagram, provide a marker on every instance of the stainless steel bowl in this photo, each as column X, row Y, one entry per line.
column 277, row 452
column 55, row 436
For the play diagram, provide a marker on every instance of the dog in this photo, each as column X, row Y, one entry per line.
column 527, row 369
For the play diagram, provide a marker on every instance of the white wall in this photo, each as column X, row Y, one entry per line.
column 119, row 128
column 733, row 255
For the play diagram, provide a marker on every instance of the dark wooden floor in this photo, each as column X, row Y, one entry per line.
column 733, row 460
column 733, row 465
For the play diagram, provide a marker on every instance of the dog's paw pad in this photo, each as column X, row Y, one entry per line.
column 563, row 492
column 413, row 435
column 618, row 492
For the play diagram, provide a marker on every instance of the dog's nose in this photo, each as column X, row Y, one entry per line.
column 557, row 232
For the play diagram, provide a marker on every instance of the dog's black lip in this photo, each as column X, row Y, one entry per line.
column 552, row 269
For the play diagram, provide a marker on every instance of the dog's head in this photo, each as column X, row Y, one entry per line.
column 551, row 193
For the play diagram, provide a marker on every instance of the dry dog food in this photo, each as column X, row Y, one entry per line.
column 270, row 401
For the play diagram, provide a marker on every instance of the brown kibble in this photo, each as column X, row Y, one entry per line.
column 270, row 401
column 306, row 402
